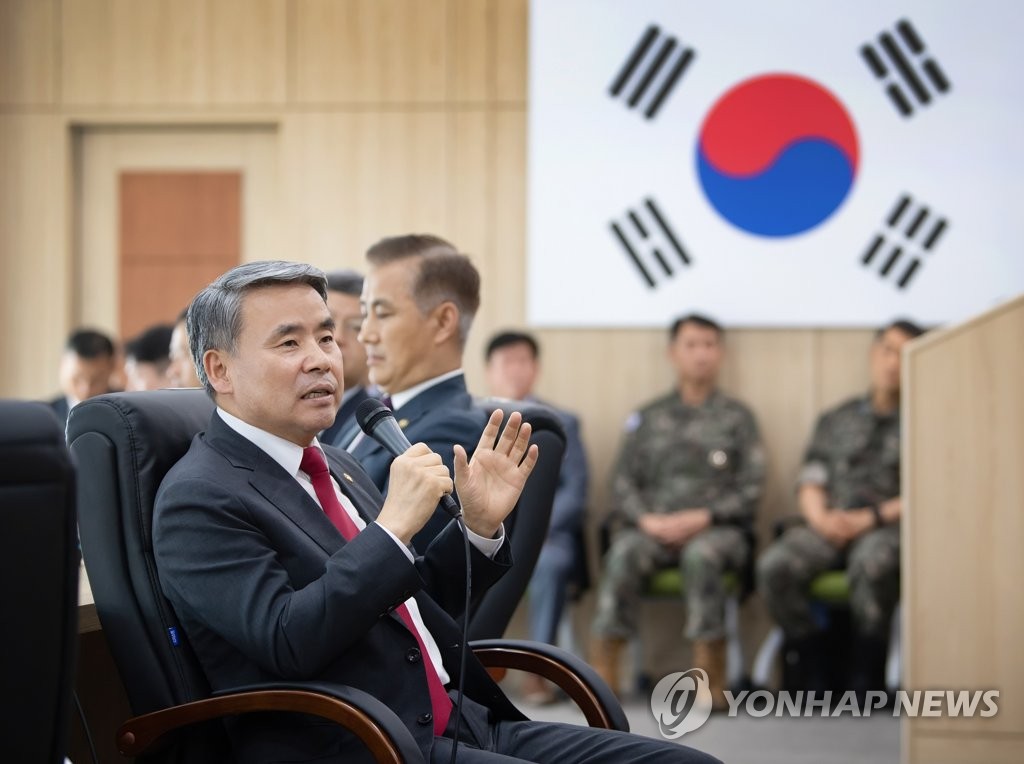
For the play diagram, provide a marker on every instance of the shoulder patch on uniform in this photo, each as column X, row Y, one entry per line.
column 633, row 421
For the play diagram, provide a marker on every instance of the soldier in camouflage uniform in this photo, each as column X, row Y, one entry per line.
column 686, row 486
column 848, row 493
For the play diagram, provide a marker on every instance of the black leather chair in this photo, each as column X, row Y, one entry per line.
column 39, row 563
column 125, row 443
column 527, row 525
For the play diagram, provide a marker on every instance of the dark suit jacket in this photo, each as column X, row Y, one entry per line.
column 266, row 588
column 61, row 409
column 440, row 416
column 345, row 419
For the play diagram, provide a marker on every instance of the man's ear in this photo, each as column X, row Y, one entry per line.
column 217, row 371
column 447, row 317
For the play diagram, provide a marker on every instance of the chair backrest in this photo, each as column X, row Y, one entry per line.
column 39, row 563
column 124, row 444
column 526, row 527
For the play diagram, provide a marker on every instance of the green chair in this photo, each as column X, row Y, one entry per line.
column 670, row 584
column 830, row 590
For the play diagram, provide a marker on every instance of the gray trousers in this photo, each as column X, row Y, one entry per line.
column 872, row 562
column 703, row 560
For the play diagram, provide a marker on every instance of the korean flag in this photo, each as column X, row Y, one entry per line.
column 773, row 164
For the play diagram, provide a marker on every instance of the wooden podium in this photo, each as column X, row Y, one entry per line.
column 963, row 533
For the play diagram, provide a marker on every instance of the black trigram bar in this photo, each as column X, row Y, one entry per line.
column 651, row 72
column 646, row 236
column 910, row 227
column 901, row 60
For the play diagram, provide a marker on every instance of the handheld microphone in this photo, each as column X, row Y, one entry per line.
column 378, row 422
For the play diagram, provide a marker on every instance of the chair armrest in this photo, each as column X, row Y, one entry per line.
column 568, row 671
column 371, row 721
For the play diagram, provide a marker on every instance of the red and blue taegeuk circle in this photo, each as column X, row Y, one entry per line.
column 777, row 155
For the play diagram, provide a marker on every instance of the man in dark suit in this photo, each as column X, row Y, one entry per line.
column 86, row 368
column 419, row 299
column 512, row 370
column 344, row 288
column 282, row 566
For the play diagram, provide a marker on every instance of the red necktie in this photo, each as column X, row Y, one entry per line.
column 313, row 464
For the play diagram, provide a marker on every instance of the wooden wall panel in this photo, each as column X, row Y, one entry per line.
column 963, row 524
column 510, row 46
column 173, row 52
column 958, row 749
column 350, row 179
column 471, row 60
column 28, row 48
column 470, row 184
column 35, row 271
column 130, row 53
column 770, row 371
column 841, row 364
column 370, row 51
column 247, row 53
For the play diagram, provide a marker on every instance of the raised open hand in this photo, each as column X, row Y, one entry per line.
column 489, row 485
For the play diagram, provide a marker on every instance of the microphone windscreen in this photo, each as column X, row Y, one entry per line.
column 369, row 413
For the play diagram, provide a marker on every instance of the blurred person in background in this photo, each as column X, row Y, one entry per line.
column 344, row 288
column 86, row 368
column 848, row 493
column 685, row 490
column 146, row 358
column 182, row 371
column 512, row 368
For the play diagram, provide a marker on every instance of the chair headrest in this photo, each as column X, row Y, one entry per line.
column 540, row 416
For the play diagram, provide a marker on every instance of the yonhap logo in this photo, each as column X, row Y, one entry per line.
column 681, row 702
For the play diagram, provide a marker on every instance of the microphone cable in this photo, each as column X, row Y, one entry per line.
column 378, row 422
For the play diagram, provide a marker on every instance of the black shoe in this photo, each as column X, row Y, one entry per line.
column 867, row 665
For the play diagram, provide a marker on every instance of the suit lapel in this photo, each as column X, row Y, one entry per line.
column 275, row 485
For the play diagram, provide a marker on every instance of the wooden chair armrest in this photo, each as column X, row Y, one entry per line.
column 566, row 670
column 375, row 724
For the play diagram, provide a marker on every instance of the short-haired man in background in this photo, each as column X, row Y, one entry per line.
column 146, row 358
column 344, row 288
column 419, row 298
column 513, row 366
column 86, row 367
column 182, row 370
column 687, row 485
column 848, row 492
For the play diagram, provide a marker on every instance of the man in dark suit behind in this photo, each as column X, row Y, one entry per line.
column 344, row 288
column 86, row 368
column 269, row 584
column 419, row 299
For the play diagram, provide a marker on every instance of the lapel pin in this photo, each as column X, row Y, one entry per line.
column 347, row 477
column 403, row 423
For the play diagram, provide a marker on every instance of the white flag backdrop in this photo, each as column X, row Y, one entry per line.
column 798, row 223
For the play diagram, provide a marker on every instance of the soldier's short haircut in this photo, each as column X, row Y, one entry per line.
column 152, row 345
column 444, row 274
column 509, row 338
column 902, row 325
column 346, row 281
column 89, row 344
column 699, row 320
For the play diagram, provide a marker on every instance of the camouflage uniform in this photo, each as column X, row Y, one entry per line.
column 855, row 457
column 676, row 457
